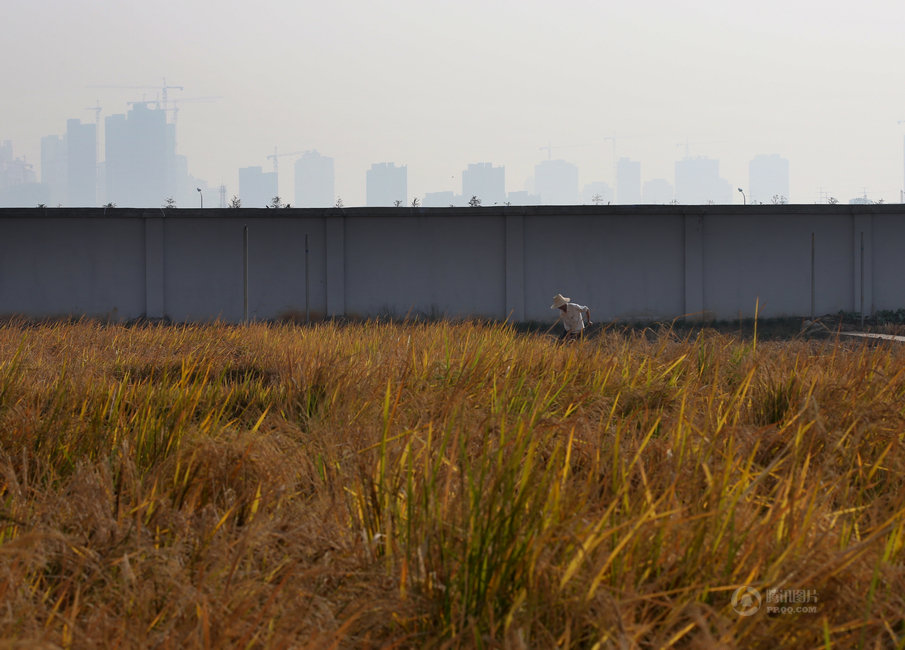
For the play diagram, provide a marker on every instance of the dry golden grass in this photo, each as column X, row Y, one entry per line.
column 445, row 485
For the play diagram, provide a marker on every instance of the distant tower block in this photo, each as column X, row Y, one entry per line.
column 768, row 176
column 314, row 181
column 387, row 183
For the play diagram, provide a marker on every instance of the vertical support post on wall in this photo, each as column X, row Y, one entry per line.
column 813, row 279
column 862, row 263
column 307, row 284
column 245, row 274
column 514, row 267
column 862, row 280
column 155, row 261
column 694, row 266
column 335, row 264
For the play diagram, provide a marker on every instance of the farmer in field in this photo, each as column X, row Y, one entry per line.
column 572, row 317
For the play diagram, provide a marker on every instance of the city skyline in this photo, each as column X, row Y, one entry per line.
column 438, row 86
column 156, row 169
column 141, row 164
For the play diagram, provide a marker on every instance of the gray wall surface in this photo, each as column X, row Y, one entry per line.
column 627, row 263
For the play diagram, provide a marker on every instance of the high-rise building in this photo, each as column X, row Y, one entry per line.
column 314, row 181
column 81, row 164
column 698, row 182
column 257, row 188
column 53, row 168
column 768, row 179
column 486, row 182
column 18, row 181
column 556, row 181
column 628, row 181
column 13, row 171
column 386, row 184
column 138, row 160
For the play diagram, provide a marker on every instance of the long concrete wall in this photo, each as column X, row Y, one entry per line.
column 625, row 262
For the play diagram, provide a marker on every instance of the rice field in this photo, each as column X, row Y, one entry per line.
column 447, row 485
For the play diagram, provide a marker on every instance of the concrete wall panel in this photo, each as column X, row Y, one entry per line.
column 52, row 266
column 623, row 268
column 203, row 279
column 276, row 268
column 426, row 266
column 884, row 261
column 765, row 259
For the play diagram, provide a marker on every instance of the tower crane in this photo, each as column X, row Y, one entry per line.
column 275, row 155
column 97, row 111
column 176, row 102
column 163, row 90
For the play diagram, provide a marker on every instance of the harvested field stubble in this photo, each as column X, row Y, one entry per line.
column 447, row 485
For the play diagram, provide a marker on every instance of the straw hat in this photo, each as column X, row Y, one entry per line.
column 559, row 300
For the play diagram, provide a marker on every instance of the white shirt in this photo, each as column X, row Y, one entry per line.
column 572, row 318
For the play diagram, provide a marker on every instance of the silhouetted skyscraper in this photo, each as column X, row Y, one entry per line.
column 386, row 184
column 6, row 153
column 138, row 147
column 698, row 182
column 257, row 188
column 53, row 168
column 628, row 181
column 18, row 181
column 314, row 181
column 768, row 176
column 556, row 181
column 486, row 182
column 81, row 164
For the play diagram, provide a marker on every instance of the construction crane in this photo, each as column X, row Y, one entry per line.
column 176, row 102
column 186, row 100
column 275, row 155
column 163, row 90
column 97, row 111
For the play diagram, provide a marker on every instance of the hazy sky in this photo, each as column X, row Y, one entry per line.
column 436, row 84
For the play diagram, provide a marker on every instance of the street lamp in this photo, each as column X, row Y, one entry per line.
column 201, row 194
column 744, row 198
